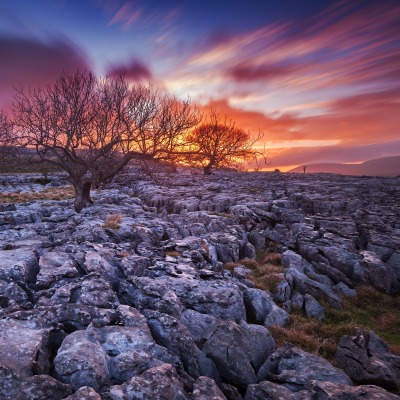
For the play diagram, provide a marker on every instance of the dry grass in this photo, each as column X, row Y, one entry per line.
column 113, row 221
column 370, row 309
column 56, row 193
column 172, row 253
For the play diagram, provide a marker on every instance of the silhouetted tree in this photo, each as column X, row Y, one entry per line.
column 91, row 127
column 219, row 143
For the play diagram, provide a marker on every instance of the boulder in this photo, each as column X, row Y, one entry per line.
column 175, row 337
column 227, row 345
column 206, row 389
column 272, row 391
column 366, row 359
column 313, row 308
column 336, row 391
column 19, row 265
column 158, row 383
column 294, row 368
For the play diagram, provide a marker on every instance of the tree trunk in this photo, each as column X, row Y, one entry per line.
column 207, row 169
column 82, row 195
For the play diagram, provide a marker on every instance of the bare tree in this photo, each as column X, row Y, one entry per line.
column 219, row 143
column 91, row 128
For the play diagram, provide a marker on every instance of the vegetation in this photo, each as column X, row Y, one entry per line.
column 370, row 309
column 54, row 193
column 219, row 143
column 91, row 128
column 113, row 221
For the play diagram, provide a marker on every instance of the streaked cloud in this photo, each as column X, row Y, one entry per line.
column 30, row 62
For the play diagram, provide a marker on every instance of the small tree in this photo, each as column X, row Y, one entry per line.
column 91, row 128
column 219, row 143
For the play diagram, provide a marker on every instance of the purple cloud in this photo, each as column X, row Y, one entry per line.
column 134, row 71
column 31, row 62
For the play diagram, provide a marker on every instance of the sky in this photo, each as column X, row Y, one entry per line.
column 320, row 79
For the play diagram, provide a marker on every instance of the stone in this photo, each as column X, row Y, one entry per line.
column 158, row 383
column 313, row 308
column 227, row 345
column 85, row 392
column 174, row 336
column 366, row 359
column 206, row 389
column 335, row 391
column 55, row 266
column 272, row 391
column 294, row 368
column 19, row 265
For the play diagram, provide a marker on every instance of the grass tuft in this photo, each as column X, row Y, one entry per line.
column 113, row 221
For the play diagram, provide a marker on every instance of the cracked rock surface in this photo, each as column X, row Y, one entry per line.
column 145, row 309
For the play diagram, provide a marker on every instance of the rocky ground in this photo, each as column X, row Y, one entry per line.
column 140, row 306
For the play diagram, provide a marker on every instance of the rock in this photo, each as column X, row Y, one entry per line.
column 277, row 317
column 394, row 262
column 313, row 308
column 55, row 266
column 230, row 392
column 344, row 290
column 261, row 343
column 379, row 274
column 38, row 387
column 366, row 359
column 272, row 391
column 336, row 391
column 84, row 392
column 206, row 389
column 159, row 383
column 82, row 362
column 19, row 265
column 197, row 323
column 294, row 368
column 261, row 309
column 258, row 305
column 98, row 356
column 24, row 348
column 227, row 345
column 12, row 294
column 174, row 336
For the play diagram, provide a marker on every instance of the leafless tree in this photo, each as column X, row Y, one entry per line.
column 219, row 143
column 91, row 127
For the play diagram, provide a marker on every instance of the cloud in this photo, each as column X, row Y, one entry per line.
column 135, row 71
column 31, row 62
column 246, row 73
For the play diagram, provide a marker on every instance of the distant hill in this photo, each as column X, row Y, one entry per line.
column 386, row 166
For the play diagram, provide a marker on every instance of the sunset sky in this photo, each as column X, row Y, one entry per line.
column 321, row 78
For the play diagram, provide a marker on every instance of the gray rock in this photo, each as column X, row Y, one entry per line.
column 197, row 324
column 272, row 391
column 12, row 294
column 206, row 389
column 276, row 317
column 55, row 266
column 367, row 360
column 159, row 383
column 24, row 348
column 313, row 308
column 343, row 289
column 294, row 368
column 227, row 345
column 19, row 265
column 38, row 387
column 394, row 262
column 258, row 305
column 261, row 343
column 336, row 391
column 170, row 333
column 84, row 392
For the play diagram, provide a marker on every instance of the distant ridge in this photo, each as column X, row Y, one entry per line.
column 385, row 166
